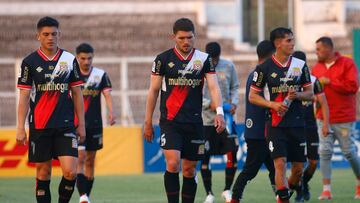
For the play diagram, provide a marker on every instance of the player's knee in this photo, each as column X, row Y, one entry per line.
column 173, row 166
column 189, row 171
column 283, row 194
column 69, row 174
column 312, row 164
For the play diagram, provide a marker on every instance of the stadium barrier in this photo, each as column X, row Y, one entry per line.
column 125, row 152
column 122, row 154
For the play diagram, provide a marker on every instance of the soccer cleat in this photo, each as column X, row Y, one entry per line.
column 226, row 194
column 209, row 199
column 357, row 192
column 84, row 199
column 325, row 195
column 306, row 192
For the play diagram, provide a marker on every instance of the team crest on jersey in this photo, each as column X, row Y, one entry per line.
column 201, row 149
column 171, row 64
column 296, row 71
column 197, row 65
column 63, row 66
column 39, row 69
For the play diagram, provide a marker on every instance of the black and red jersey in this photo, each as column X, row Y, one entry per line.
column 50, row 80
column 310, row 121
column 294, row 75
column 95, row 82
column 183, row 79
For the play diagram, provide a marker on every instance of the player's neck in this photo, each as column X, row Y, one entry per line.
column 282, row 58
column 185, row 55
column 85, row 70
column 49, row 53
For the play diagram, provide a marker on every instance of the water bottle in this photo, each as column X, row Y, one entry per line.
column 228, row 117
column 287, row 102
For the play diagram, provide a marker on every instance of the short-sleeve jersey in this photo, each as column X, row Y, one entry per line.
column 95, row 82
column 294, row 75
column 183, row 79
column 255, row 116
column 50, row 80
column 310, row 121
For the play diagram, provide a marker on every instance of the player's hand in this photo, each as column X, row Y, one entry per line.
column 80, row 131
column 292, row 94
column 148, row 132
column 233, row 109
column 219, row 123
column 21, row 136
column 112, row 119
column 324, row 80
column 279, row 107
column 325, row 130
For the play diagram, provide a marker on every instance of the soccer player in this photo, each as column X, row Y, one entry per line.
column 179, row 74
column 257, row 150
column 96, row 81
column 339, row 76
column 288, row 80
column 227, row 142
column 46, row 78
column 311, row 132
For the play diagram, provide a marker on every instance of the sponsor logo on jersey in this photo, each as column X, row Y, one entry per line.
column 74, row 143
column 255, row 76
column 51, row 67
column 90, row 92
column 171, row 64
column 271, row 146
column 249, row 123
column 25, row 74
column 158, row 66
column 182, row 81
column 285, row 88
column 273, row 75
column 153, row 67
column 51, row 86
column 39, row 69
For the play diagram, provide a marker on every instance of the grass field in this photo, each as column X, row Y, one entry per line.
column 149, row 189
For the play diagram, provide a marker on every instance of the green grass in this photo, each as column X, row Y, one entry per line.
column 149, row 189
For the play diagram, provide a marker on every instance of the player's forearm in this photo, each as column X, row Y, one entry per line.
column 108, row 101
column 324, row 108
column 258, row 100
column 306, row 95
column 78, row 104
column 23, row 108
column 150, row 105
column 215, row 95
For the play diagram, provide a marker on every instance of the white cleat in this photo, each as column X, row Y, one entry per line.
column 84, row 199
column 209, row 199
column 227, row 195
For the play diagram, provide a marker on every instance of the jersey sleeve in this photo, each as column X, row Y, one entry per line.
column 209, row 66
column 305, row 77
column 317, row 87
column 158, row 67
column 105, row 83
column 24, row 77
column 75, row 79
column 258, row 81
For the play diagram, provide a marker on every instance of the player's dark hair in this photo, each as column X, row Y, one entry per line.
column 279, row 33
column 47, row 22
column 265, row 49
column 300, row 55
column 84, row 48
column 183, row 24
column 326, row 40
column 213, row 49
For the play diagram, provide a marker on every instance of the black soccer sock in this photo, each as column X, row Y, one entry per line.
column 43, row 191
column 206, row 177
column 172, row 186
column 188, row 191
column 307, row 176
column 90, row 183
column 81, row 184
column 230, row 170
column 66, row 189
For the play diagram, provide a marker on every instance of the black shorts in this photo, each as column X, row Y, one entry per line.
column 93, row 141
column 286, row 142
column 185, row 137
column 218, row 144
column 312, row 143
column 46, row 144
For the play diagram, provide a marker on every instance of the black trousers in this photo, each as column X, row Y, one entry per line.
column 257, row 154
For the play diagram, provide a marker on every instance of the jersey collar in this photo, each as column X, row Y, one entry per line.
column 281, row 65
column 188, row 57
column 43, row 56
